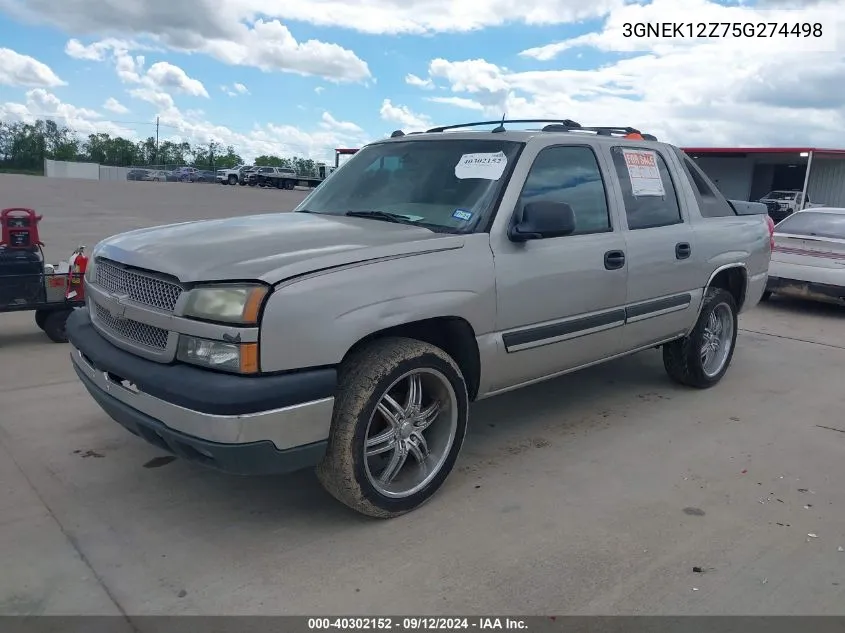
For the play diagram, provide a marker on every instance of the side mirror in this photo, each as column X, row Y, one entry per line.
column 542, row 220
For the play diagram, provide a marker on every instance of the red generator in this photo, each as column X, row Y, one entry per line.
column 28, row 284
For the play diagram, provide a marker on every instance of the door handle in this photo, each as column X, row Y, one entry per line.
column 682, row 250
column 614, row 260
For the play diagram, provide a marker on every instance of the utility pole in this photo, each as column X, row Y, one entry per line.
column 156, row 138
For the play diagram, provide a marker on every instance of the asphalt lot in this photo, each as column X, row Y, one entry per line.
column 596, row 493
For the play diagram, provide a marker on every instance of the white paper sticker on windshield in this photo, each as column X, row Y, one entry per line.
column 487, row 166
column 644, row 173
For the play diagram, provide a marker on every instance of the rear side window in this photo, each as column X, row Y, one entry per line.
column 647, row 188
column 571, row 175
column 812, row 224
column 710, row 200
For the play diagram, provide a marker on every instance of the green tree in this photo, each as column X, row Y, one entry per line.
column 24, row 146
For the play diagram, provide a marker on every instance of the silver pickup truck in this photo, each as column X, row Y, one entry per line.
column 431, row 271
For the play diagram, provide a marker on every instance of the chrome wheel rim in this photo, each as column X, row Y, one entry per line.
column 411, row 432
column 718, row 338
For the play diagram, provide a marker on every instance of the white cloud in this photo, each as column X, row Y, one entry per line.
column 113, row 105
column 240, row 89
column 778, row 91
column 41, row 104
column 23, row 70
column 419, row 82
column 319, row 89
column 160, row 76
column 267, row 45
column 166, row 76
column 403, row 115
column 281, row 140
column 99, row 51
column 458, row 102
column 160, row 100
column 186, row 25
column 330, row 123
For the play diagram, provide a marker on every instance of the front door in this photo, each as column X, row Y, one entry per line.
column 561, row 300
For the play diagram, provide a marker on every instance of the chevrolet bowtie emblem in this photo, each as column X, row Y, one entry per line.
column 116, row 306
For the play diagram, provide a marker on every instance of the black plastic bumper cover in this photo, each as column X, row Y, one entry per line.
column 199, row 389
column 255, row 458
column 777, row 283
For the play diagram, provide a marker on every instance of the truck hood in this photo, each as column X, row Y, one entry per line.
column 268, row 247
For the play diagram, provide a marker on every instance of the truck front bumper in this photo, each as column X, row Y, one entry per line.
column 241, row 425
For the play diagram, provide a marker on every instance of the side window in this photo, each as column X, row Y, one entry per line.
column 647, row 188
column 570, row 175
column 385, row 163
column 710, row 201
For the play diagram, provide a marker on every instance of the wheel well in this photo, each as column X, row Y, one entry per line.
column 734, row 281
column 451, row 334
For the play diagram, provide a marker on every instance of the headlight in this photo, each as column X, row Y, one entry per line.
column 240, row 358
column 231, row 303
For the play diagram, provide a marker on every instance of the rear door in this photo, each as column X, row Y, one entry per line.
column 663, row 262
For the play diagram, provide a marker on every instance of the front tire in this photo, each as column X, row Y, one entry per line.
column 54, row 325
column 41, row 317
column 233, row 180
column 399, row 422
column 766, row 295
column 701, row 359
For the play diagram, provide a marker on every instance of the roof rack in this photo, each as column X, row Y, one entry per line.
column 501, row 122
column 552, row 125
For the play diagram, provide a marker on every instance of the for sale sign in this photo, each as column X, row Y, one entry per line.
column 643, row 172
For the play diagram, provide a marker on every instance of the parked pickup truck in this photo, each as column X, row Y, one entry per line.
column 431, row 271
column 229, row 176
column 782, row 204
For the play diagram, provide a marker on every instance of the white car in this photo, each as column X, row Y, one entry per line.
column 808, row 257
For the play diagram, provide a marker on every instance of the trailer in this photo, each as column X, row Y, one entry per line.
column 282, row 179
column 29, row 284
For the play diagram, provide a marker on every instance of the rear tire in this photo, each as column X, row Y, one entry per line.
column 701, row 359
column 54, row 325
column 233, row 180
column 428, row 428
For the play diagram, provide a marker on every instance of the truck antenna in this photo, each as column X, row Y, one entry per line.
column 501, row 127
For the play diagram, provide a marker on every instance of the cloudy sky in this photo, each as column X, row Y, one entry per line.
column 306, row 76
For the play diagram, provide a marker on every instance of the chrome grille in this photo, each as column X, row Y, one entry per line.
column 129, row 330
column 138, row 286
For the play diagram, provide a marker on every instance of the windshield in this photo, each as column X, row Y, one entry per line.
column 780, row 195
column 448, row 184
column 811, row 224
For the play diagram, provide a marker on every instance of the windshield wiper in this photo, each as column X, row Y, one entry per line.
column 398, row 218
column 382, row 215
